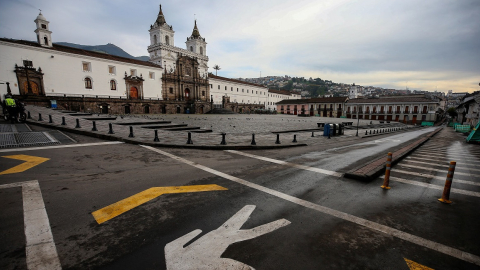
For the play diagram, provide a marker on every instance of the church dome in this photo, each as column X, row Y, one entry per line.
column 40, row 17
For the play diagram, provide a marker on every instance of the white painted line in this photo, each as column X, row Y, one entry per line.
column 58, row 146
column 40, row 248
column 432, row 169
column 443, row 165
column 318, row 170
column 468, row 257
column 436, row 177
column 49, row 137
column 420, row 157
column 450, row 154
column 421, row 184
column 453, row 151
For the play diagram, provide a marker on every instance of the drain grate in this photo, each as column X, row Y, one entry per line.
column 8, row 140
column 35, row 138
column 5, row 128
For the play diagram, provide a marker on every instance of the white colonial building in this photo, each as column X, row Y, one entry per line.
column 177, row 79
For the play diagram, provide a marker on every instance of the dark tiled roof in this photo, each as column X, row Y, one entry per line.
column 314, row 100
column 233, row 80
column 421, row 99
column 72, row 50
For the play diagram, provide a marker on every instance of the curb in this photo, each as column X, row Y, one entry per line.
column 398, row 155
column 186, row 146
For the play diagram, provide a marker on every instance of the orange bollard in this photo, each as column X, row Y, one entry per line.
column 448, row 183
column 386, row 181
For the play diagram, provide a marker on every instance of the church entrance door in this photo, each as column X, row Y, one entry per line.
column 33, row 86
column 133, row 92
column 187, row 94
column 105, row 109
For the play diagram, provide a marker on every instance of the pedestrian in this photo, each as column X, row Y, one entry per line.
column 11, row 107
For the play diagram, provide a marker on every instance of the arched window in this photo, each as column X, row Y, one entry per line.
column 191, row 48
column 201, row 50
column 167, row 40
column 113, row 85
column 88, row 83
column 45, row 39
column 154, row 39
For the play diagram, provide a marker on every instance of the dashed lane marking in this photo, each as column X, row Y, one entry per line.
column 432, row 169
column 58, row 146
column 436, row 177
column 120, row 207
column 421, row 184
column 456, row 253
column 439, row 160
column 318, row 170
column 40, row 248
column 30, row 162
column 443, row 165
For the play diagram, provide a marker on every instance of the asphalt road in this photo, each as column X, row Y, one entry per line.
column 310, row 216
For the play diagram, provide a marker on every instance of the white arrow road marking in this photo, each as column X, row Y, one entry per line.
column 205, row 252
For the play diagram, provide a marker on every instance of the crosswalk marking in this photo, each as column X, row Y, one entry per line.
column 450, row 154
column 421, row 184
column 436, row 177
column 432, row 169
column 436, row 164
column 422, row 157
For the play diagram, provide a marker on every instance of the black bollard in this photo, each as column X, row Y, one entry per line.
column 189, row 140
column 94, row 128
column 366, row 132
column 253, row 139
column 110, row 128
column 329, row 135
column 294, row 138
column 63, row 121
column 50, row 120
column 370, row 131
column 278, row 139
column 28, row 115
column 223, row 139
column 313, row 134
column 40, row 117
column 78, row 124
column 156, row 136
column 131, row 132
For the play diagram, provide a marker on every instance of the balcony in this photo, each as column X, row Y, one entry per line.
column 398, row 112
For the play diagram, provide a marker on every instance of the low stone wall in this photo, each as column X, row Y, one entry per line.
column 117, row 105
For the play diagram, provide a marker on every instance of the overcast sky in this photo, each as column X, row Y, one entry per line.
column 419, row 44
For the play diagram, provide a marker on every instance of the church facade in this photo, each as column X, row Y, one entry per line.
column 174, row 80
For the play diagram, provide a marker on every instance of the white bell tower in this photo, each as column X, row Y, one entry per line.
column 161, row 37
column 44, row 35
column 195, row 43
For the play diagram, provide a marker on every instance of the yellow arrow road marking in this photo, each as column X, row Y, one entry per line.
column 31, row 161
column 140, row 198
column 416, row 266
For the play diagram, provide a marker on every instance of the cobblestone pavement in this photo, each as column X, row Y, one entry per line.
column 238, row 128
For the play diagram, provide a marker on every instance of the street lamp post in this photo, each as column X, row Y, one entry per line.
column 358, row 120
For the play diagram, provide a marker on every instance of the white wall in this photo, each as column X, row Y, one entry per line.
column 63, row 74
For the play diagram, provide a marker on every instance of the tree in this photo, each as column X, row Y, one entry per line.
column 452, row 112
column 217, row 68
